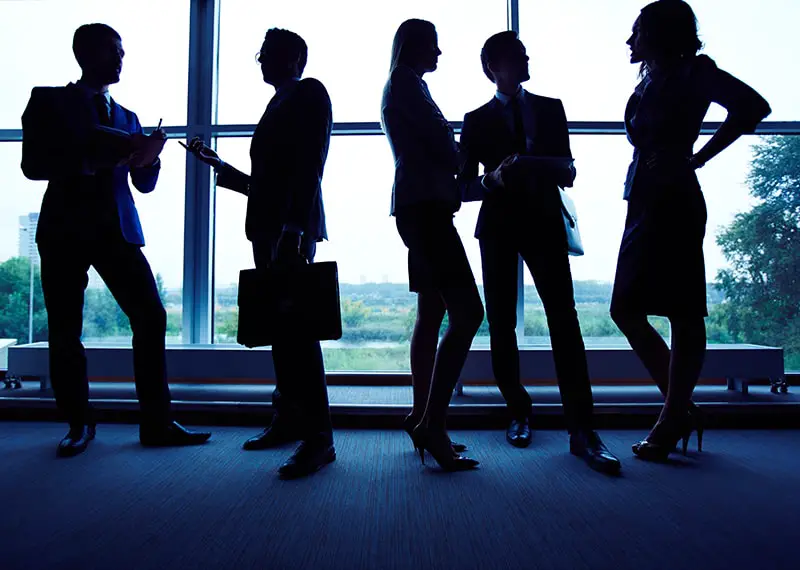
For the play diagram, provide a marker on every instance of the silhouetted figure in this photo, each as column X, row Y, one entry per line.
column 522, row 140
column 661, row 270
column 424, row 199
column 285, row 220
column 88, row 218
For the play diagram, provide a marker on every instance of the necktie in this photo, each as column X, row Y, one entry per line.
column 520, row 143
column 101, row 104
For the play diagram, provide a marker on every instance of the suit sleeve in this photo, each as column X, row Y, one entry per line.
column 144, row 178
column 746, row 108
column 233, row 179
column 418, row 108
column 49, row 148
column 470, row 183
column 564, row 177
column 309, row 152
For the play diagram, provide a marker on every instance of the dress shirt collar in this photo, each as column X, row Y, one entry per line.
column 91, row 91
column 506, row 99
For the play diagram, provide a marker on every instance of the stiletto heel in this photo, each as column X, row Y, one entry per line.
column 652, row 450
column 410, row 423
column 443, row 454
column 698, row 417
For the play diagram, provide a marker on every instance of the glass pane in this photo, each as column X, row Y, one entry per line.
column 349, row 45
column 19, row 209
column 377, row 308
column 155, row 35
column 161, row 214
column 578, row 52
column 602, row 162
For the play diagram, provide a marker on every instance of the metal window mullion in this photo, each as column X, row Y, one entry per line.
column 513, row 24
column 199, row 213
column 513, row 15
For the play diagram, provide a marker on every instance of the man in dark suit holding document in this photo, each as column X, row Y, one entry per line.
column 285, row 221
column 522, row 140
column 86, row 146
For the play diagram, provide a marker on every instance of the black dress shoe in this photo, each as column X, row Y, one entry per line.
column 518, row 433
column 76, row 441
column 171, row 435
column 278, row 433
column 309, row 458
column 588, row 446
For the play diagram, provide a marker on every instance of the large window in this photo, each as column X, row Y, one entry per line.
column 201, row 82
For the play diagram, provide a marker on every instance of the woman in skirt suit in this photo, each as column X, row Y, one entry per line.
column 661, row 270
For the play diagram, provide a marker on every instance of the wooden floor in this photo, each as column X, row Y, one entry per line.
column 119, row 506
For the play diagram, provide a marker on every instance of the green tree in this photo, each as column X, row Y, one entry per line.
column 15, row 301
column 354, row 313
column 762, row 286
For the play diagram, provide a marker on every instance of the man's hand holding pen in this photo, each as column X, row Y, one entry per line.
column 145, row 149
column 202, row 152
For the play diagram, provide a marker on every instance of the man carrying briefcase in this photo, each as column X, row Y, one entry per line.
column 285, row 220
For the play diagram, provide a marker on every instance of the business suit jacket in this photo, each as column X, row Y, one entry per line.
column 487, row 138
column 426, row 156
column 57, row 146
column 288, row 154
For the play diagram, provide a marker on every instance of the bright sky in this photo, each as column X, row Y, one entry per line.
column 578, row 54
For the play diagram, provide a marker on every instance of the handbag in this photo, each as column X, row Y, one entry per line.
column 570, row 214
column 299, row 303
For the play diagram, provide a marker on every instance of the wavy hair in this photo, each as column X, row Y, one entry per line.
column 669, row 29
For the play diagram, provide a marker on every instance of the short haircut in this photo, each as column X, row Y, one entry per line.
column 290, row 45
column 495, row 48
column 88, row 36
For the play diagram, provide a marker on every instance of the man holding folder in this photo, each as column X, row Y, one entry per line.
column 86, row 146
column 522, row 140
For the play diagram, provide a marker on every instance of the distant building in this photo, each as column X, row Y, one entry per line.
column 27, row 237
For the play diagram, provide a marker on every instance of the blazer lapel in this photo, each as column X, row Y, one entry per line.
column 499, row 136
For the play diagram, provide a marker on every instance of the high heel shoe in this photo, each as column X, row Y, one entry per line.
column 410, row 423
column 698, row 418
column 653, row 450
column 441, row 449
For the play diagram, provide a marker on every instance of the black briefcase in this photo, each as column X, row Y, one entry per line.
column 300, row 302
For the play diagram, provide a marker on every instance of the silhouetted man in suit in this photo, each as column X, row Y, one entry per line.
column 285, row 220
column 88, row 218
column 521, row 215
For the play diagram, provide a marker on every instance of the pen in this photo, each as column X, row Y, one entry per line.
column 159, row 123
